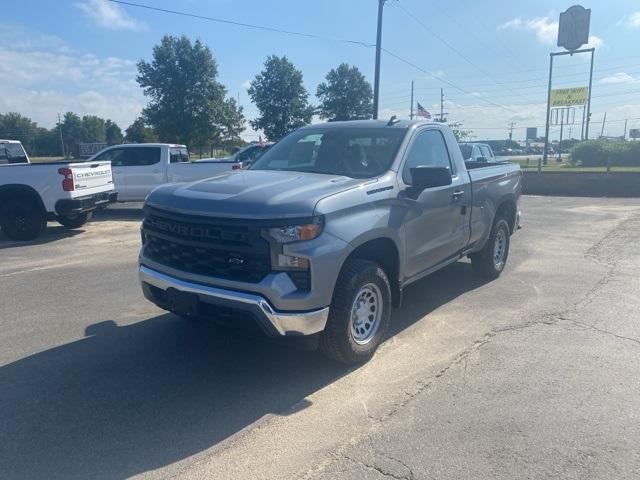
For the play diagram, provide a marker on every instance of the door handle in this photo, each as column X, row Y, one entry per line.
column 458, row 194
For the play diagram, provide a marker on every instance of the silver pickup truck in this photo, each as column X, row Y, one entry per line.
column 325, row 230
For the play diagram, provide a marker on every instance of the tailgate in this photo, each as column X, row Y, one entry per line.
column 91, row 177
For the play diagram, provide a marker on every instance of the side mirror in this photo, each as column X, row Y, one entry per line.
column 427, row 177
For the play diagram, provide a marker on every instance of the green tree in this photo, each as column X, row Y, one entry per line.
column 94, row 129
column 139, row 132
column 113, row 133
column 233, row 123
column 14, row 126
column 47, row 143
column 281, row 98
column 187, row 102
column 346, row 95
column 73, row 132
column 460, row 134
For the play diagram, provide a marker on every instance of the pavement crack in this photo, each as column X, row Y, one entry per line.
column 600, row 330
column 381, row 470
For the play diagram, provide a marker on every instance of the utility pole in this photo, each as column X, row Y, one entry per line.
column 584, row 109
column 586, row 131
column 411, row 110
column 61, row 141
column 376, row 81
column 560, row 142
column 624, row 137
column 511, row 125
column 441, row 118
column 603, row 122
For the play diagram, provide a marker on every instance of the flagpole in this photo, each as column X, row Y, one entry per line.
column 411, row 110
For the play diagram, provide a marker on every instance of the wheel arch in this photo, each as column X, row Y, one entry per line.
column 12, row 191
column 507, row 208
column 385, row 252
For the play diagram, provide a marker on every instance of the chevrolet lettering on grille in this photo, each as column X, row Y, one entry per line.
column 193, row 231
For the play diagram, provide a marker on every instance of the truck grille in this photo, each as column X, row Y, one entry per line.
column 206, row 246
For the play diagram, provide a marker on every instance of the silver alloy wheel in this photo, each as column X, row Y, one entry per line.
column 499, row 249
column 366, row 313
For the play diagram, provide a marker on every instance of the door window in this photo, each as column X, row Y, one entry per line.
column 427, row 150
column 133, row 157
column 486, row 153
column 178, row 155
column 109, row 155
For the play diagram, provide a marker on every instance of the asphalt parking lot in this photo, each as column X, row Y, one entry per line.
column 534, row 375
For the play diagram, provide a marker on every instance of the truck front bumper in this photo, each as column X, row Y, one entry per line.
column 185, row 298
column 84, row 204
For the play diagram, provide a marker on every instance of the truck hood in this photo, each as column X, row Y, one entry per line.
column 259, row 194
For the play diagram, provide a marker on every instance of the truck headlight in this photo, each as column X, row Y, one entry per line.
column 296, row 233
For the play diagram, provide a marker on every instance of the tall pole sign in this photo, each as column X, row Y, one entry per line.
column 376, row 76
column 573, row 33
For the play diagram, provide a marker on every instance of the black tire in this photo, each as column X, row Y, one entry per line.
column 74, row 221
column 485, row 263
column 22, row 219
column 337, row 340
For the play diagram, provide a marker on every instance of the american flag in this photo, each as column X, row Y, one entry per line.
column 422, row 112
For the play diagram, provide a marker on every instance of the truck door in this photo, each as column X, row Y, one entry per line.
column 143, row 171
column 435, row 226
column 119, row 178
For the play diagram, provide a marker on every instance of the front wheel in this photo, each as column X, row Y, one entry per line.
column 491, row 260
column 76, row 220
column 359, row 313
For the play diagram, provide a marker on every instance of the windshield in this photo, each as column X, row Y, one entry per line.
column 466, row 151
column 352, row 152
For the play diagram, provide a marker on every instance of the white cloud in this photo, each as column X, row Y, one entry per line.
column 41, row 76
column 619, row 78
column 633, row 20
column 545, row 30
column 109, row 15
column 594, row 42
column 246, row 84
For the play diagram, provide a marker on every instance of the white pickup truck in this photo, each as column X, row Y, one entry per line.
column 30, row 194
column 140, row 167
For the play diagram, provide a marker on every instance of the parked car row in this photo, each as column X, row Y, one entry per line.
column 30, row 194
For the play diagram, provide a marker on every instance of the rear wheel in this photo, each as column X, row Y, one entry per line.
column 359, row 313
column 491, row 260
column 74, row 221
column 21, row 219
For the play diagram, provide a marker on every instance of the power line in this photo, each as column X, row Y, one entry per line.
column 600, row 62
column 411, row 64
column 242, row 24
column 454, row 49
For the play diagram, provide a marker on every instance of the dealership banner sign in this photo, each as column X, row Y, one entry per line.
column 565, row 97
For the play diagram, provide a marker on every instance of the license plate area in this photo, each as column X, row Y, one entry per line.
column 183, row 303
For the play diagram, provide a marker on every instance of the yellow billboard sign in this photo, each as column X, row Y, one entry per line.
column 564, row 97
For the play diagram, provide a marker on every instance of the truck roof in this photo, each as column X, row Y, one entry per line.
column 384, row 123
column 171, row 145
column 9, row 141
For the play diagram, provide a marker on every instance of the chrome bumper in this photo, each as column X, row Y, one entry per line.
column 275, row 323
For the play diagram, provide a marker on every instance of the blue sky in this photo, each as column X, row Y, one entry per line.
column 80, row 55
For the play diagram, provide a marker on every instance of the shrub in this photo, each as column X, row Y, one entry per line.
column 593, row 153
